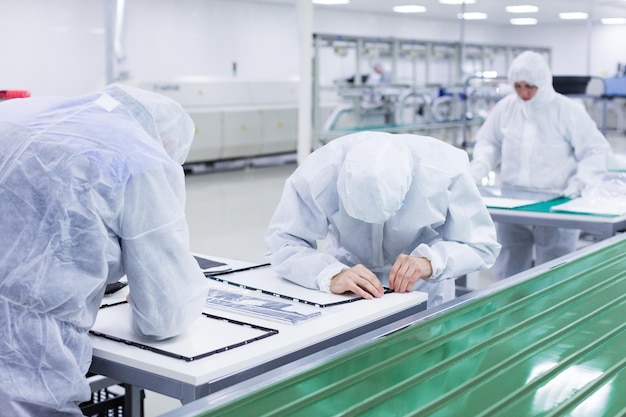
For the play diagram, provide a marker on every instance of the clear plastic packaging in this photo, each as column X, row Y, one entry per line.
column 256, row 304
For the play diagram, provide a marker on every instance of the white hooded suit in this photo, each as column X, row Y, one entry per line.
column 91, row 188
column 374, row 196
column 548, row 143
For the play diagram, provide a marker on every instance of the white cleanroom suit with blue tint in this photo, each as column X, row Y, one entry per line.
column 375, row 196
column 548, row 143
column 91, row 188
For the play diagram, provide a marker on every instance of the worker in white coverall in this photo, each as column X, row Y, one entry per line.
column 541, row 141
column 395, row 210
column 91, row 189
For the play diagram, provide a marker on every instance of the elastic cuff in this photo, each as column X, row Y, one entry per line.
column 327, row 274
column 425, row 251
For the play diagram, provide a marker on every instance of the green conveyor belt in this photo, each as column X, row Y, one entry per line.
column 552, row 345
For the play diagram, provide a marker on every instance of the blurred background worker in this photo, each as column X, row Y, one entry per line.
column 91, row 188
column 379, row 75
column 542, row 141
column 398, row 210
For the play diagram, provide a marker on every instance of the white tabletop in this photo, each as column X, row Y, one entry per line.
column 291, row 338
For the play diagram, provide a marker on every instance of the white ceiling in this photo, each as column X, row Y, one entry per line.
column 548, row 9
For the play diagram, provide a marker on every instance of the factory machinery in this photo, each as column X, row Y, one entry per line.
column 424, row 90
column 239, row 121
column 11, row 94
column 433, row 111
column 243, row 120
column 548, row 342
column 441, row 89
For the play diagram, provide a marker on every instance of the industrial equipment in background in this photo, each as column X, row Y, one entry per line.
column 439, row 89
column 424, row 93
column 10, row 94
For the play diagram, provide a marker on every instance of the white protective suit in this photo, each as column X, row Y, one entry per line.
column 91, row 188
column 418, row 199
column 548, row 143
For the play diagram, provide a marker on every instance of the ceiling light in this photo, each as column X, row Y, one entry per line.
column 573, row 15
column 523, row 21
column 614, row 21
column 525, row 8
column 473, row 16
column 409, row 8
column 457, row 1
column 331, row 1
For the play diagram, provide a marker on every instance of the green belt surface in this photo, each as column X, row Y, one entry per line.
column 544, row 206
column 552, row 345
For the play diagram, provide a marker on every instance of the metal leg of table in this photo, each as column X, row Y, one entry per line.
column 461, row 286
column 133, row 400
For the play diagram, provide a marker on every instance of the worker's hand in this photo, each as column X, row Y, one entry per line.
column 406, row 271
column 359, row 280
column 479, row 171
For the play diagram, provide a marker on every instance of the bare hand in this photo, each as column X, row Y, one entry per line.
column 406, row 271
column 359, row 280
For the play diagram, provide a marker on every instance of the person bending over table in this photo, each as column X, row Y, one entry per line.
column 91, row 189
column 397, row 210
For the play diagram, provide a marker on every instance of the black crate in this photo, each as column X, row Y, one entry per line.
column 104, row 403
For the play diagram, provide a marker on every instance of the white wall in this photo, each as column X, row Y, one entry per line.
column 607, row 49
column 58, row 46
column 52, row 47
column 167, row 39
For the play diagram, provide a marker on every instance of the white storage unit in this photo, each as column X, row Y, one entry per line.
column 207, row 144
column 279, row 127
column 242, row 133
column 236, row 119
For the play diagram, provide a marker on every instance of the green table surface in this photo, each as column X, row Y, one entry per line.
column 550, row 345
column 543, row 207
column 546, row 207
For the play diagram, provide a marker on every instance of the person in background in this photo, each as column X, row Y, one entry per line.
column 541, row 141
column 397, row 210
column 379, row 75
column 91, row 189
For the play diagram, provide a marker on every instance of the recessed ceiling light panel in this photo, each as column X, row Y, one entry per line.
column 457, row 1
column 331, row 1
column 472, row 16
column 573, row 15
column 521, row 21
column 409, row 8
column 613, row 21
column 522, row 8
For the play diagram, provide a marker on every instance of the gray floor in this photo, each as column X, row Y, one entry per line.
column 227, row 213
